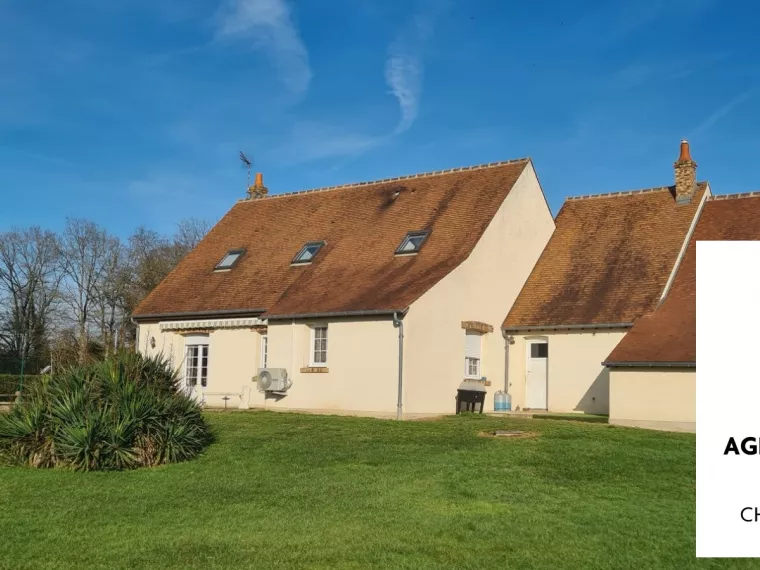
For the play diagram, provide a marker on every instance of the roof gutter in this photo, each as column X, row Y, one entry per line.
column 334, row 314
column 199, row 314
column 645, row 364
column 566, row 327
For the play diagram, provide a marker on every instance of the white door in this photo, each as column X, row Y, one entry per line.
column 196, row 366
column 538, row 358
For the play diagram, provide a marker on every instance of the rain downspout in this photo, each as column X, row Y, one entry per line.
column 292, row 353
column 399, row 324
column 507, row 341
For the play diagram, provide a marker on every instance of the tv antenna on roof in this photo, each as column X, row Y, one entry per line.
column 248, row 163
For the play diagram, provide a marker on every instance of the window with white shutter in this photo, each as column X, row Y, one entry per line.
column 472, row 349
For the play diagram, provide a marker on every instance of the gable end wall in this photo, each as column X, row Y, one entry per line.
column 483, row 288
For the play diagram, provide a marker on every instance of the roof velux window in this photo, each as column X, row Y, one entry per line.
column 412, row 242
column 230, row 259
column 307, row 253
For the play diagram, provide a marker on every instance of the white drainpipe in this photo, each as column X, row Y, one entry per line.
column 399, row 324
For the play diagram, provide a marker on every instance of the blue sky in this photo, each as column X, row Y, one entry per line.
column 133, row 113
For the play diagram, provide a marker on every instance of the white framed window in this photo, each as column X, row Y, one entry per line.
column 318, row 346
column 196, row 360
column 472, row 354
column 264, row 349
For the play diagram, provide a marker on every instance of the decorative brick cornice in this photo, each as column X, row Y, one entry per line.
column 477, row 326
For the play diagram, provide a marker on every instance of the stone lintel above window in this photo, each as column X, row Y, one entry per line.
column 477, row 326
column 477, row 381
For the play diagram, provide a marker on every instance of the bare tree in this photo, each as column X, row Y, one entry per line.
column 190, row 232
column 151, row 258
column 80, row 286
column 84, row 250
column 111, row 291
column 29, row 286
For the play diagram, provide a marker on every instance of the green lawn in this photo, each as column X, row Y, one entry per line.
column 291, row 491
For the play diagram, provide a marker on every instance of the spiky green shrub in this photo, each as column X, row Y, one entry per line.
column 123, row 413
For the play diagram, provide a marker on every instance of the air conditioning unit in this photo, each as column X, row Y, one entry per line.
column 273, row 380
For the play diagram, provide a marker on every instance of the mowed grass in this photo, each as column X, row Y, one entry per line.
column 299, row 491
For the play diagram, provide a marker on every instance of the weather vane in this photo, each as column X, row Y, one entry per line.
column 248, row 163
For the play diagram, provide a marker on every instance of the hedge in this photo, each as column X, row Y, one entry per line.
column 9, row 383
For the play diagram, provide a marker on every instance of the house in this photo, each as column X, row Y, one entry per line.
column 653, row 369
column 374, row 297
column 610, row 260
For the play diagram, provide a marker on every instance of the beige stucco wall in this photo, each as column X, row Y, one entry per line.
column 656, row 398
column 362, row 365
column 482, row 288
column 234, row 355
column 233, row 361
column 171, row 345
column 577, row 381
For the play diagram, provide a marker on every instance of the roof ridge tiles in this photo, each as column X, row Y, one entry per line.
column 619, row 193
column 625, row 192
column 393, row 179
column 753, row 194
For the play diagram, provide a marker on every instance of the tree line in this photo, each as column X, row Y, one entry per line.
column 67, row 297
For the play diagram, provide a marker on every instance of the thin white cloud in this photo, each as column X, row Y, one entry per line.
column 269, row 25
column 722, row 112
column 317, row 140
column 403, row 72
column 404, row 68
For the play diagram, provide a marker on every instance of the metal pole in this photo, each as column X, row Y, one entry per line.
column 507, row 341
column 399, row 324
column 23, row 362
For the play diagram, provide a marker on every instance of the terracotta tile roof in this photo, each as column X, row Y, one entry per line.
column 361, row 224
column 608, row 260
column 668, row 334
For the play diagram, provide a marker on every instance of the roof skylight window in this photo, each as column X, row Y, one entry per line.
column 230, row 259
column 308, row 253
column 412, row 242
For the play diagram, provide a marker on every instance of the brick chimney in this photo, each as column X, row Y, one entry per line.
column 258, row 190
column 686, row 175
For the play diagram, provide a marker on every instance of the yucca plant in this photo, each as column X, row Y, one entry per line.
column 119, row 414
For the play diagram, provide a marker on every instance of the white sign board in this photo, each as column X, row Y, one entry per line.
column 728, row 399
